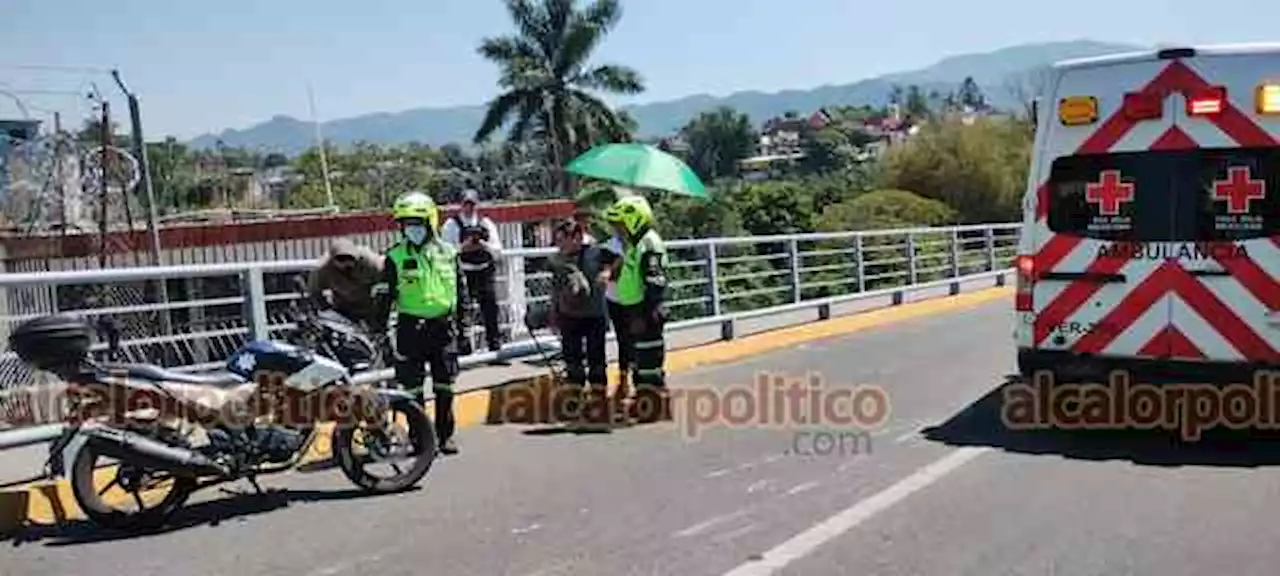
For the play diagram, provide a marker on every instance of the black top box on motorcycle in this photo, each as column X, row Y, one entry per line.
column 52, row 342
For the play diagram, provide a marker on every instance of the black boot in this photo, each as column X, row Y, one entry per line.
column 652, row 404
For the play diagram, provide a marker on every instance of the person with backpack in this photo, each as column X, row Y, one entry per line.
column 579, row 313
column 480, row 248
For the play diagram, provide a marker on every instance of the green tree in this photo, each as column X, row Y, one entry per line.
column 917, row 105
column 549, row 84
column 885, row 209
column 783, row 207
column 971, row 95
column 173, row 176
column 717, row 141
column 979, row 169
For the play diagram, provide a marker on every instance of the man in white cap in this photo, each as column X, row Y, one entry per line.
column 480, row 248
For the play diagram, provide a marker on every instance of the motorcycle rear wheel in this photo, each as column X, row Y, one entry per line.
column 90, row 498
column 422, row 437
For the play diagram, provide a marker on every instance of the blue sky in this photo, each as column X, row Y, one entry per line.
column 204, row 66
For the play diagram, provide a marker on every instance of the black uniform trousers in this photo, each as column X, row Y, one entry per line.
column 649, row 349
column 648, row 374
column 482, row 286
column 430, row 342
column 583, row 343
column 622, row 334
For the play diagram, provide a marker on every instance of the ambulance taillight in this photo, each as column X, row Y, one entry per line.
column 1142, row 106
column 1207, row 102
column 1026, row 269
column 1268, row 99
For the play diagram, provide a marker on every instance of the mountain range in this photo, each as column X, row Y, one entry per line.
column 439, row 126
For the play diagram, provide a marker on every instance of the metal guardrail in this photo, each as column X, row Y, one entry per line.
column 713, row 281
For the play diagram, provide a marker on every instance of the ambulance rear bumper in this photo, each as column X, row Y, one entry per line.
column 1071, row 368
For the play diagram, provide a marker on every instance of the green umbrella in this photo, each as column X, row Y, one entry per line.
column 638, row 166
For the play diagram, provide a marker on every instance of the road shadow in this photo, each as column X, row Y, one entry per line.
column 567, row 429
column 318, row 466
column 981, row 424
column 236, row 506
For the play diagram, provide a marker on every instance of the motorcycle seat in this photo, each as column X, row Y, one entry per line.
column 153, row 373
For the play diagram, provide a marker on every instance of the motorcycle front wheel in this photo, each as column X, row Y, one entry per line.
column 405, row 432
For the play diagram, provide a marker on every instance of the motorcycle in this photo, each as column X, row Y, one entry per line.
column 335, row 336
column 260, row 417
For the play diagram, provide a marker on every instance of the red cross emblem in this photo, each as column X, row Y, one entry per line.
column 1109, row 192
column 1239, row 190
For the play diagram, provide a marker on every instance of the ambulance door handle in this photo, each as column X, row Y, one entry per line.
column 1210, row 273
column 1084, row 276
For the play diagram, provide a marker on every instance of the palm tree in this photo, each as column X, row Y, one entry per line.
column 549, row 84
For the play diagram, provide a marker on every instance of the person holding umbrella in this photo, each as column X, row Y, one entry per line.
column 639, row 289
column 641, row 293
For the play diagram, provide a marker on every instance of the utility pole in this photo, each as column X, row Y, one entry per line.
column 153, row 228
column 104, row 197
column 324, row 162
column 140, row 150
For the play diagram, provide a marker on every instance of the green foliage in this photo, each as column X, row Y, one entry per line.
column 885, row 209
column 979, row 169
column 717, row 141
column 549, row 85
column 368, row 176
column 774, row 207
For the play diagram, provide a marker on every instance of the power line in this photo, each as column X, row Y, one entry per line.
column 45, row 91
column 66, row 69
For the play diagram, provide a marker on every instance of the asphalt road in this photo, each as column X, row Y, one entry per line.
column 943, row 489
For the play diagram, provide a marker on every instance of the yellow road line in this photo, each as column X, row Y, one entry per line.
column 48, row 502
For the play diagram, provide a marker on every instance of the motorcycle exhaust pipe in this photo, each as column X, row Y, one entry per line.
column 133, row 447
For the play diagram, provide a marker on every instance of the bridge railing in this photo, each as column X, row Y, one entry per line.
column 214, row 309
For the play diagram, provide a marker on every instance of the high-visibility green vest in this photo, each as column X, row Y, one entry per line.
column 631, row 277
column 429, row 290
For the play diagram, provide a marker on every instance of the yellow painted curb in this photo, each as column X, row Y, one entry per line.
column 51, row 502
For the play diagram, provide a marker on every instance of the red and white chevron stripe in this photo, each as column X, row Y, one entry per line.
column 1162, row 310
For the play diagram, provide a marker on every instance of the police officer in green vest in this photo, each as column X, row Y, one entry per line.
column 641, row 282
column 421, row 277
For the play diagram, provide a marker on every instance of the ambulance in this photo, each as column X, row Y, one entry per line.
column 1150, row 240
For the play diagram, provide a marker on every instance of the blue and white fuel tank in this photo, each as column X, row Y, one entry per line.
column 296, row 367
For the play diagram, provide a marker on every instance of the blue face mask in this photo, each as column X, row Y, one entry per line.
column 416, row 233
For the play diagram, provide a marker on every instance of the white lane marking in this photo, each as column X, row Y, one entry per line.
column 802, row 488
column 917, row 432
column 744, row 466
column 806, row 542
column 352, row 564
column 708, row 524
column 736, row 532
column 882, row 431
column 758, row 486
column 557, row 568
column 526, row 529
column 847, row 465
